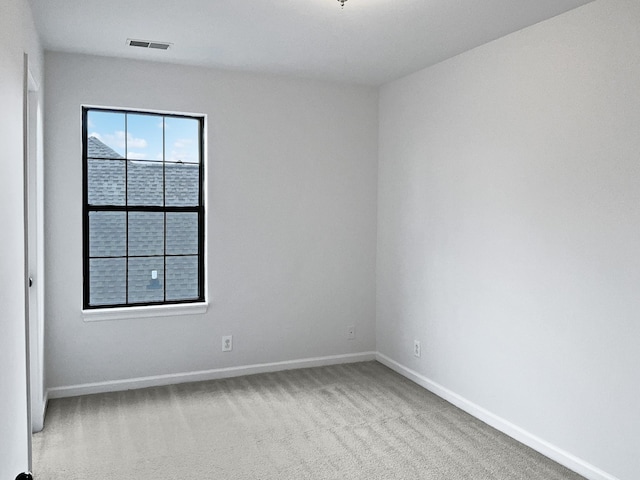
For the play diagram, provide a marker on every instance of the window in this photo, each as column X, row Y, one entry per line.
column 143, row 216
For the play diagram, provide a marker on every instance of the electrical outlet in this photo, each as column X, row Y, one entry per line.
column 351, row 332
column 416, row 348
column 227, row 343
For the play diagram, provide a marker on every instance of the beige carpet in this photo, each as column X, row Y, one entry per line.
column 358, row 421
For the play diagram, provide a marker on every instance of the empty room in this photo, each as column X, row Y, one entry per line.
column 320, row 239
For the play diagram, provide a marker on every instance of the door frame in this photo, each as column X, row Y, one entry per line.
column 25, row 165
column 34, row 191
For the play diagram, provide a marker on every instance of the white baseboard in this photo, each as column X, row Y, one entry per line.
column 551, row 451
column 203, row 375
column 37, row 420
column 45, row 402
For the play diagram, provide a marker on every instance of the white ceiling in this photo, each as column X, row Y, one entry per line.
column 368, row 42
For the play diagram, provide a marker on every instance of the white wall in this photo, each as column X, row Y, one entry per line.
column 509, row 229
column 17, row 36
column 291, row 171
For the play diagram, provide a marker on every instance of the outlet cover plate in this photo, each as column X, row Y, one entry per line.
column 227, row 343
column 416, row 348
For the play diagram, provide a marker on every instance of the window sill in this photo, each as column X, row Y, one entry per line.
column 130, row 313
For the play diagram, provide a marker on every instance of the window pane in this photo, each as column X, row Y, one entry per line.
column 106, row 182
column 182, row 278
column 107, row 234
column 146, row 233
column 182, row 183
column 107, row 285
column 137, row 160
column 144, row 137
column 182, row 140
column 146, row 279
column 182, row 233
column 144, row 184
column 108, row 129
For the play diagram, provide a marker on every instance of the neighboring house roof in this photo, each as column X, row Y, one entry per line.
column 108, row 172
column 97, row 149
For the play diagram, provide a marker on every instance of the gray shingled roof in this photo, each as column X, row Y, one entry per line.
column 107, row 173
column 97, row 149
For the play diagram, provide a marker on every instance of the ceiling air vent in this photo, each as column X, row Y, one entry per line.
column 159, row 46
column 148, row 44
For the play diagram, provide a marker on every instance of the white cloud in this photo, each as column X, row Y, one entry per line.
column 183, row 150
column 181, row 156
column 117, row 140
column 135, row 142
column 182, row 143
column 136, row 156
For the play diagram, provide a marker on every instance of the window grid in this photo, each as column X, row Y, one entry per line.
column 164, row 202
column 126, row 215
column 128, row 209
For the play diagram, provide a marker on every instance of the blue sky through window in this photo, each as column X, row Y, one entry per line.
column 140, row 137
